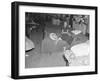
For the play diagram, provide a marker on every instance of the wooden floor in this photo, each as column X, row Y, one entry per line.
column 46, row 53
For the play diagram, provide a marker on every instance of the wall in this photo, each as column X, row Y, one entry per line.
column 5, row 39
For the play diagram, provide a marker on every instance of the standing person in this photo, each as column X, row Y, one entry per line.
column 66, row 24
column 66, row 35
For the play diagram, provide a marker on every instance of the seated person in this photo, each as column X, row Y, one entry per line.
column 79, row 24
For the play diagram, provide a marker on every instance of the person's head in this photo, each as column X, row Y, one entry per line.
column 53, row 36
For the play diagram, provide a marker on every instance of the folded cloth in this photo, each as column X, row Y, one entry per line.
column 76, row 32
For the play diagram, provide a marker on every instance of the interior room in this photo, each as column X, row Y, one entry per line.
column 54, row 40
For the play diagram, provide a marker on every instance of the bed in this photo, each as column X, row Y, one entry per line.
column 78, row 54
